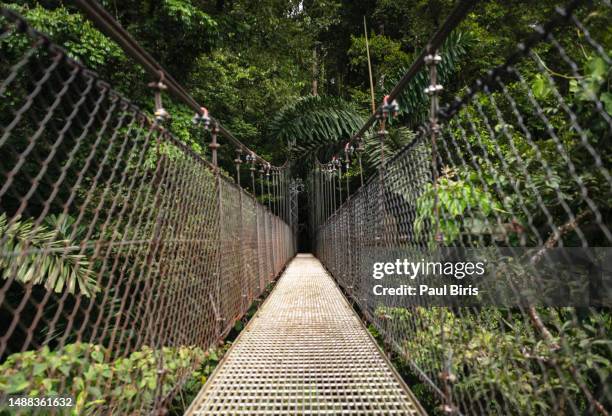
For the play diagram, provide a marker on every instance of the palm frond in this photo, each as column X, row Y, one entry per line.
column 413, row 102
column 394, row 141
column 42, row 255
column 313, row 121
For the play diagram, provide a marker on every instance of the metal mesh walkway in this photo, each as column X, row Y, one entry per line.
column 305, row 352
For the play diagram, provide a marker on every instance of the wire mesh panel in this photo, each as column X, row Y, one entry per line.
column 521, row 163
column 232, row 263
column 266, row 236
column 124, row 254
column 250, row 249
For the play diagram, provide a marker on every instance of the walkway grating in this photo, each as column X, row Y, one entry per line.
column 305, row 353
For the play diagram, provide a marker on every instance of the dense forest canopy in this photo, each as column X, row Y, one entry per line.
column 247, row 62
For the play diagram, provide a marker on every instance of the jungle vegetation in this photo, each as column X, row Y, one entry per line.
column 289, row 78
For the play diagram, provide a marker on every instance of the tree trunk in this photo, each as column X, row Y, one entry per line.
column 315, row 72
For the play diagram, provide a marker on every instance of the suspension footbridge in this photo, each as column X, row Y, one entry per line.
column 128, row 256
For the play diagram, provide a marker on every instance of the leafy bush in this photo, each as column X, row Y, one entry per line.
column 73, row 31
column 125, row 385
column 494, row 357
column 463, row 208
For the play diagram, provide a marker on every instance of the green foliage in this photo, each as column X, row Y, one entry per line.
column 312, row 121
column 385, row 53
column 240, row 93
column 525, row 165
column 594, row 85
column 175, row 32
column 73, row 31
column 197, row 379
column 191, row 17
column 462, row 208
column 125, row 384
column 394, row 141
column 45, row 255
column 495, row 357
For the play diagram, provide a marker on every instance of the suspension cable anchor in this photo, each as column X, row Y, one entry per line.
column 202, row 118
column 389, row 107
column 250, row 158
column 433, row 89
column 432, row 60
column 360, row 145
column 160, row 112
column 382, row 116
column 336, row 164
column 238, row 160
column 348, row 151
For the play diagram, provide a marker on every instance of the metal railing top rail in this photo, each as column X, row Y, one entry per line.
column 113, row 29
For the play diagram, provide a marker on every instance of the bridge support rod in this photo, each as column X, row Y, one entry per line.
column 242, row 267
column 432, row 60
column 213, row 144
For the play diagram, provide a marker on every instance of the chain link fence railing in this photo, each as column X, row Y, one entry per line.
column 521, row 161
column 124, row 254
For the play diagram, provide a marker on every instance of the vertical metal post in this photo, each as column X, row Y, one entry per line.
column 242, row 268
column 338, row 218
column 328, row 195
column 432, row 60
column 324, row 199
column 319, row 199
column 265, row 227
column 349, row 218
column 274, row 221
column 283, row 195
column 268, row 185
column 347, row 165
column 274, row 201
column 272, row 236
column 253, row 168
column 340, row 182
column 277, row 190
column 280, row 214
column 213, row 144
column 286, row 192
column 333, row 185
column 381, row 237
column 359, row 150
column 286, row 197
column 321, row 196
column 281, row 207
column 219, row 269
